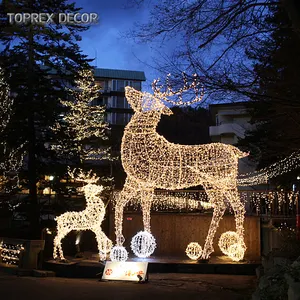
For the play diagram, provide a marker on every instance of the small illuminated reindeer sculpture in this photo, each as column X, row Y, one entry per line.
column 88, row 219
column 150, row 162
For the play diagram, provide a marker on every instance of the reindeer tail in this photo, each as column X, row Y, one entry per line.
column 239, row 153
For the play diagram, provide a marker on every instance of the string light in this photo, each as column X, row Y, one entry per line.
column 193, row 251
column 172, row 200
column 150, row 162
column 88, row 219
column 12, row 158
column 10, row 253
column 83, row 120
column 278, row 168
column 143, row 244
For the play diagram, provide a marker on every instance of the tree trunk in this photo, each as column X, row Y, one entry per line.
column 34, row 215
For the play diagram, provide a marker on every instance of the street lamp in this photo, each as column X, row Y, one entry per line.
column 51, row 177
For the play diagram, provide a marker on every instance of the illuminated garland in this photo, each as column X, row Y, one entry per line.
column 168, row 201
column 262, row 176
column 10, row 253
column 150, row 162
column 196, row 200
column 88, row 219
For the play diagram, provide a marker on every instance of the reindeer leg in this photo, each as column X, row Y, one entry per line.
column 216, row 197
column 143, row 243
column 146, row 202
column 58, row 246
column 104, row 243
column 126, row 194
column 239, row 213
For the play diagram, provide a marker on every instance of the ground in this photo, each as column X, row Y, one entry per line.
column 160, row 286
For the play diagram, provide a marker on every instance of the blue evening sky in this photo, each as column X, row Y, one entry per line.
column 107, row 42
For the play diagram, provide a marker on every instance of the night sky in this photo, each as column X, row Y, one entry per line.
column 107, row 42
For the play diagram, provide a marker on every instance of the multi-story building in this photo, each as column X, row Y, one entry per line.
column 231, row 120
column 112, row 83
column 118, row 112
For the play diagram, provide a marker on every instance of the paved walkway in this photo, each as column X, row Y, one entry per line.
column 160, row 286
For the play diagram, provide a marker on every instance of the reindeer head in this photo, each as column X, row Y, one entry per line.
column 143, row 102
column 91, row 188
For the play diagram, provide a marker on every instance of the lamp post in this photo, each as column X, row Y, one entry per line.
column 51, row 177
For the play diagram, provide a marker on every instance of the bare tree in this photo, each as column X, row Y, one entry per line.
column 211, row 38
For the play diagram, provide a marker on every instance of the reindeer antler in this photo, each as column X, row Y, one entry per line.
column 82, row 176
column 194, row 85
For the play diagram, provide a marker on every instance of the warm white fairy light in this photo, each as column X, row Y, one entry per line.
column 231, row 245
column 166, row 91
column 262, row 176
column 193, row 251
column 169, row 200
column 88, row 219
column 84, row 121
column 150, row 162
column 12, row 158
column 143, row 244
column 10, row 253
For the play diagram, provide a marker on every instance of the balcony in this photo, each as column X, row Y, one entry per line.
column 228, row 128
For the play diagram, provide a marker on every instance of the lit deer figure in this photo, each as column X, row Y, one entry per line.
column 150, row 162
column 88, row 219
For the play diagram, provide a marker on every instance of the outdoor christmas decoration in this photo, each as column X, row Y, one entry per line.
column 231, row 245
column 83, row 121
column 88, row 219
column 193, row 250
column 143, row 244
column 150, row 162
column 118, row 254
column 11, row 158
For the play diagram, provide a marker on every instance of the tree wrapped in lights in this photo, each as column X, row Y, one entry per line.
column 83, row 123
column 89, row 219
column 12, row 158
column 150, row 162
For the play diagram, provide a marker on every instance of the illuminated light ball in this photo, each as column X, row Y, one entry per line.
column 236, row 251
column 118, row 253
column 193, row 250
column 143, row 244
column 227, row 239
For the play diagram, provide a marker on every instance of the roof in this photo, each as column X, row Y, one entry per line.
column 120, row 74
column 240, row 103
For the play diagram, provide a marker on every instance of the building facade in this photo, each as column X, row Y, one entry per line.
column 112, row 83
column 230, row 122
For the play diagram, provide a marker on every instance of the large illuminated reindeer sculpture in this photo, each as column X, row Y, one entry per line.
column 150, row 162
column 88, row 219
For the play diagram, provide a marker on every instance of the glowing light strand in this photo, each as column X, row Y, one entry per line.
column 262, row 176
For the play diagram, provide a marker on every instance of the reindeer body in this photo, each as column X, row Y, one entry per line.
column 150, row 161
column 88, row 219
column 172, row 166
